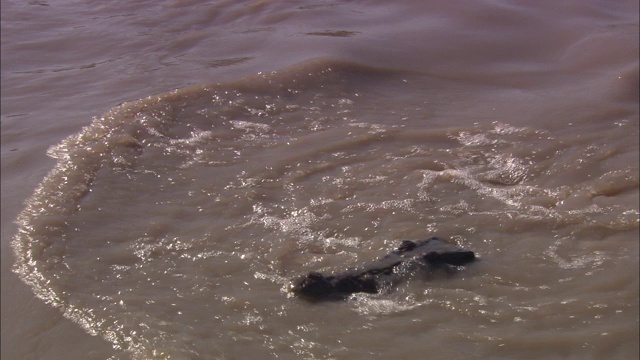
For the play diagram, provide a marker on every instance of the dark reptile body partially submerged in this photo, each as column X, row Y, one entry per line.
column 430, row 253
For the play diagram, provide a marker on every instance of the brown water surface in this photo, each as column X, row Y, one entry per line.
column 237, row 145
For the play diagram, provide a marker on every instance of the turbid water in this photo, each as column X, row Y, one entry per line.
column 202, row 155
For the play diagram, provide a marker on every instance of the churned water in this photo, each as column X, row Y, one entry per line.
column 271, row 139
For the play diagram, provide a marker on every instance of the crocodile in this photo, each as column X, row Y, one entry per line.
column 432, row 253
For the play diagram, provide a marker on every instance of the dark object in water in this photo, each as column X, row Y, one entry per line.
column 430, row 253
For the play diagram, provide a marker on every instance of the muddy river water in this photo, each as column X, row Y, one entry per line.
column 169, row 167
